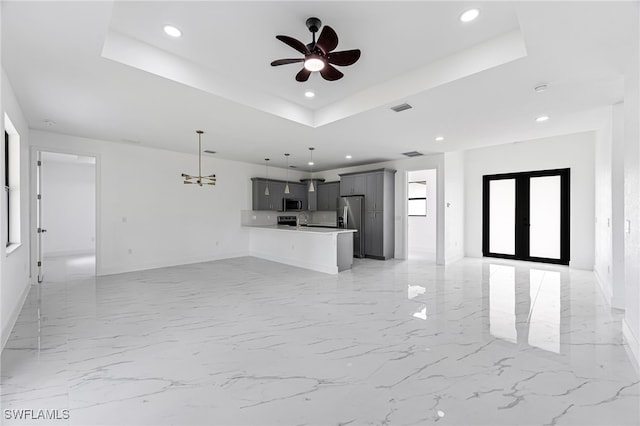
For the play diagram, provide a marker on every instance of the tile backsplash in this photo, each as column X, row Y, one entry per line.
column 323, row 217
column 264, row 217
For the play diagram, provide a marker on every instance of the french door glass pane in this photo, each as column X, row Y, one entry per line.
column 544, row 217
column 502, row 216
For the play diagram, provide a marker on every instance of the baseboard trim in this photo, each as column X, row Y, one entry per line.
column 6, row 331
column 632, row 342
column 68, row 253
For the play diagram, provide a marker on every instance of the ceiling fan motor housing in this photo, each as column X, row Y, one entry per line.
column 314, row 24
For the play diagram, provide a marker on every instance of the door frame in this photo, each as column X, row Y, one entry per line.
column 403, row 191
column 33, row 234
column 522, row 180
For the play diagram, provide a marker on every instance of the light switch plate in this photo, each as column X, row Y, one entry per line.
column 627, row 226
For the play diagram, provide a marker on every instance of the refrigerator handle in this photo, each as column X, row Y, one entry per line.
column 346, row 217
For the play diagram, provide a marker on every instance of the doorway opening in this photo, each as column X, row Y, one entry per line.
column 422, row 214
column 66, row 216
column 525, row 216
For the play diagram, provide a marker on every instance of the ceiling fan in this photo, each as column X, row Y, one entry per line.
column 319, row 55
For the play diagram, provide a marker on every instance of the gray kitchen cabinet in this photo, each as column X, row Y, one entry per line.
column 312, row 197
column 273, row 201
column 298, row 192
column 323, row 197
column 334, row 193
column 374, row 235
column 378, row 188
column 374, row 193
column 352, row 184
column 327, row 196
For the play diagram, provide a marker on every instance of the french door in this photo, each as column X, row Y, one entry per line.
column 525, row 216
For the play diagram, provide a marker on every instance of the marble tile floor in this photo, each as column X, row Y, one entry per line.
column 250, row 342
column 68, row 267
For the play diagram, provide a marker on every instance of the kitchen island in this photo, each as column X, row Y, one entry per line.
column 328, row 250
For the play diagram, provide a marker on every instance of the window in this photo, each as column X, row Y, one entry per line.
column 417, row 198
column 12, row 184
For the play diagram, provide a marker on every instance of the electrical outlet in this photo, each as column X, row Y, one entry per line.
column 130, row 251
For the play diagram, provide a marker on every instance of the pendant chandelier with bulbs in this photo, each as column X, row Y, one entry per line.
column 199, row 180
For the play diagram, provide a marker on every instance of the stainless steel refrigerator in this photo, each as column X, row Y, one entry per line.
column 351, row 216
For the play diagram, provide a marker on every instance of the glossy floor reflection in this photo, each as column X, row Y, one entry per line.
column 246, row 341
column 68, row 268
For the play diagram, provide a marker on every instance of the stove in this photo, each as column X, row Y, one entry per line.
column 287, row 220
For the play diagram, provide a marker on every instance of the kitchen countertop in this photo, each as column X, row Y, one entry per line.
column 306, row 229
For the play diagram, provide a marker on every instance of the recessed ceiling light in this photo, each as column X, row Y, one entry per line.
column 348, row 157
column 439, row 138
column 309, row 94
column 469, row 15
column 542, row 118
column 172, row 31
column 310, row 163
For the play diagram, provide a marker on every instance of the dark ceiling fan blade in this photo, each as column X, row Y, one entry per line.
column 328, row 40
column 298, row 45
column 303, row 75
column 344, row 58
column 330, row 73
column 286, row 61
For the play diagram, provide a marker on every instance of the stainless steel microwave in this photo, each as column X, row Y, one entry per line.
column 291, row 204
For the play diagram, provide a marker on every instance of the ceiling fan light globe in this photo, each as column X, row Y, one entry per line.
column 314, row 63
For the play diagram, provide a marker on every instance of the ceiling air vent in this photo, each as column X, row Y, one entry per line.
column 208, row 151
column 412, row 154
column 401, row 107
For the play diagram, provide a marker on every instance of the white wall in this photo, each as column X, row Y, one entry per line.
column 454, row 205
column 14, row 271
column 609, row 207
column 631, row 325
column 402, row 167
column 147, row 218
column 422, row 230
column 575, row 151
column 617, row 207
column 68, row 206
column 603, row 255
